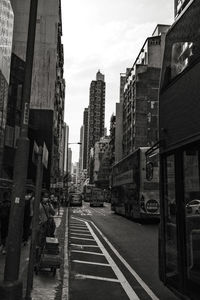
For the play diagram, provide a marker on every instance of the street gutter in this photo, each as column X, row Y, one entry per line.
column 65, row 288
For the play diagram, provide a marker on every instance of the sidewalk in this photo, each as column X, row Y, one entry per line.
column 45, row 286
column 23, row 264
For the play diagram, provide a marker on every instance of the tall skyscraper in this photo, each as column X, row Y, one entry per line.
column 119, row 118
column 96, row 111
column 85, row 138
column 81, row 150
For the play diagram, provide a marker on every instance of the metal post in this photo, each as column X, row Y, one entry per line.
column 67, row 172
column 35, row 225
column 11, row 288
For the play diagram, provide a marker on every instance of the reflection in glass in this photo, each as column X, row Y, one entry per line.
column 170, row 217
column 192, row 212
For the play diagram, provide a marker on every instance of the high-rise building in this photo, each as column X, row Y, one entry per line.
column 66, row 145
column 96, row 116
column 48, row 85
column 112, row 138
column 63, row 150
column 140, row 104
column 81, row 150
column 6, row 35
column 69, row 160
column 119, row 118
column 85, row 138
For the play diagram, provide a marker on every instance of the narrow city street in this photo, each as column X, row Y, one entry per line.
column 112, row 257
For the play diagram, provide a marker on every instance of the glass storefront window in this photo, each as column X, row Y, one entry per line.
column 192, row 213
column 170, row 217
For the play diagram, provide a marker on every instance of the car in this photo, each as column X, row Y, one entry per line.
column 75, row 199
column 193, row 207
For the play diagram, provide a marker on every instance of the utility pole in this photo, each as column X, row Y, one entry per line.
column 35, row 224
column 11, row 288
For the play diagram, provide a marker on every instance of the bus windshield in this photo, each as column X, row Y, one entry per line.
column 182, row 48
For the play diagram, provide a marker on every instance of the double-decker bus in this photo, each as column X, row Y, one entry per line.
column 87, row 192
column 135, row 186
column 179, row 134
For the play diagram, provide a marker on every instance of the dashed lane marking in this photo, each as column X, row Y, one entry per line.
column 82, row 276
column 121, row 278
column 78, row 238
column 135, row 275
column 79, row 230
column 84, row 246
column 88, row 252
column 81, row 234
column 98, row 211
column 90, row 263
column 125, row 284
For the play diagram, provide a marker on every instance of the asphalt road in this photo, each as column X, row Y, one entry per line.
column 112, row 258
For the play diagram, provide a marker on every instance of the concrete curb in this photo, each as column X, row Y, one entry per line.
column 65, row 288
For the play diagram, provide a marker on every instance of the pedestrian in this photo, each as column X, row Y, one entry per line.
column 58, row 205
column 53, row 200
column 4, row 217
column 46, row 220
column 28, row 215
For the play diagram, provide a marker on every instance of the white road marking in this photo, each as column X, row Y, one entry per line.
column 72, row 223
column 65, row 287
column 82, row 276
column 86, row 246
column 88, row 252
column 82, row 234
column 125, row 284
column 137, row 277
column 78, row 238
column 98, row 211
column 79, row 230
column 77, row 227
column 90, row 263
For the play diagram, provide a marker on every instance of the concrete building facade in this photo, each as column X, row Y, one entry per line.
column 69, row 160
column 66, row 134
column 85, row 138
column 119, row 119
column 48, row 85
column 140, row 104
column 81, row 149
column 96, row 116
column 6, row 35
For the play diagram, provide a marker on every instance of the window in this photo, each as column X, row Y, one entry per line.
column 192, row 213
column 182, row 47
column 170, row 215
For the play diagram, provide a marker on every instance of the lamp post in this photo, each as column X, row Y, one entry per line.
column 11, row 288
column 68, row 166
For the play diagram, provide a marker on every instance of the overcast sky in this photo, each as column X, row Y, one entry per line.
column 105, row 35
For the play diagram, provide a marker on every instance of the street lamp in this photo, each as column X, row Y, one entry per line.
column 68, row 166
